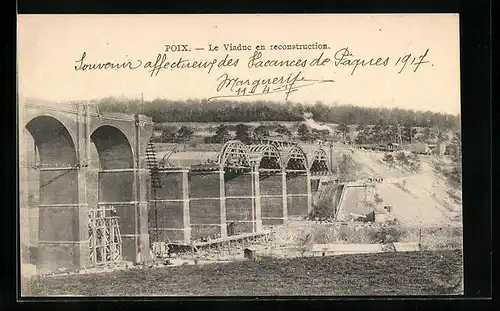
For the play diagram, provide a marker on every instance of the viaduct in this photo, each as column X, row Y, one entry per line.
column 102, row 195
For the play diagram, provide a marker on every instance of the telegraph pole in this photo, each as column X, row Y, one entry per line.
column 142, row 103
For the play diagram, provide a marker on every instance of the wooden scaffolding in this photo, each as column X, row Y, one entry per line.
column 104, row 235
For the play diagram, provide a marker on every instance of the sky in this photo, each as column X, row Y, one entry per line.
column 49, row 47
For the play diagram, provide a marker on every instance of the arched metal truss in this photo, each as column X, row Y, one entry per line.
column 319, row 163
column 234, row 155
column 295, row 159
column 265, row 156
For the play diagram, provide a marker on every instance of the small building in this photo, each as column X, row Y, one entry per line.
column 393, row 146
column 419, row 148
column 249, row 253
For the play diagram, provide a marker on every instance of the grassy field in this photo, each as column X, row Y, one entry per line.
column 411, row 273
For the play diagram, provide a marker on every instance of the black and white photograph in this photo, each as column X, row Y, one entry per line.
column 240, row 155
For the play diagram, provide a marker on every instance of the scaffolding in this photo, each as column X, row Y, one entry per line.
column 295, row 159
column 265, row 157
column 105, row 240
column 319, row 165
column 234, row 157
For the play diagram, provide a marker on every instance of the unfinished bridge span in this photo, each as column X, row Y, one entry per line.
column 270, row 186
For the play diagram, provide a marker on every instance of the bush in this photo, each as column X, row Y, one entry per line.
column 321, row 235
column 400, row 156
column 386, row 235
column 389, row 158
column 304, row 242
column 378, row 199
column 416, row 167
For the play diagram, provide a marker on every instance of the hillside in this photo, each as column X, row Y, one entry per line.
column 191, row 110
column 417, row 198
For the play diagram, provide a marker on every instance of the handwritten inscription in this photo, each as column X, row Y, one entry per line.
column 231, row 86
column 247, row 87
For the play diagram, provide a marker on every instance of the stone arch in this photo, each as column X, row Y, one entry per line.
column 319, row 163
column 113, row 148
column 54, row 142
column 112, row 186
column 296, row 159
column 59, row 226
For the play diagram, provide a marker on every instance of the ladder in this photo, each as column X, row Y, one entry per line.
column 152, row 165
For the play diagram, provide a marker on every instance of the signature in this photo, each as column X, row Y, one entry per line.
column 255, row 87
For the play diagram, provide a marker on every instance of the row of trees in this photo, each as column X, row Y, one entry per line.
column 366, row 135
column 243, row 132
column 163, row 110
column 455, row 173
column 383, row 133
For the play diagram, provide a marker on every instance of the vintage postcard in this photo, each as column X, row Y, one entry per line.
column 240, row 155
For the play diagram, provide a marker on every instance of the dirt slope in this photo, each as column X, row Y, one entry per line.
column 416, row 198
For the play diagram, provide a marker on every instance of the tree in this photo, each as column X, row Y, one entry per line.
column 406, row 134
column 242, row 133
column 456, row 150
column 360, row 128
column 303, row 132
column 304, row 242
column 260, row 132
column 184, row 134
column 389, row 133
column 168, row 134
column 344, row 130
column 281, row 129
column 426, row 135
column 320, row 134
column 221, row 134
column 361, row 138
column 165, row 110
column 455, row 173
column 377, row 133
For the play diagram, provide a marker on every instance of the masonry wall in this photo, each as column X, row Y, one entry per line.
column 314, row 185
column 205, row 205
column 351, row 203
column 298, row 196
column 273, row 198
column 240, row 213
column 116, row 188
column 169, row 208
column 59, row 227
column 29, row 189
